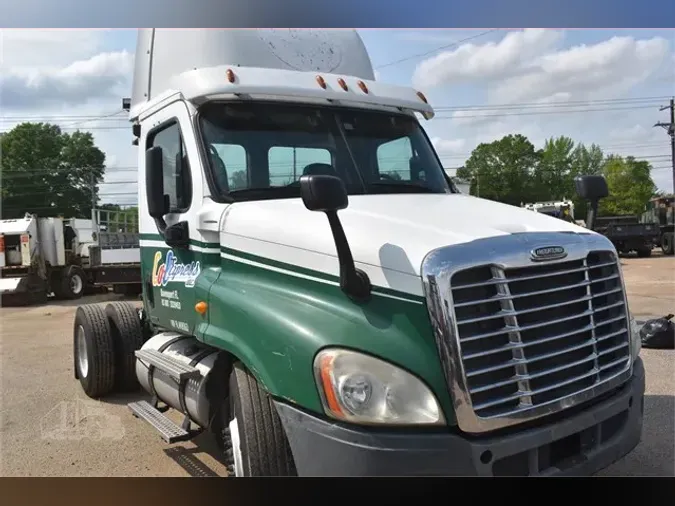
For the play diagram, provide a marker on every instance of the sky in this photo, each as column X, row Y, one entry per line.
column 595, row 86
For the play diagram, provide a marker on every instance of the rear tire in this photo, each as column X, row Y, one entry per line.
column 644, row 252
column 72, row 284
column 127, row 335
column 93, row 351
column 667, row 245
column 257, row 444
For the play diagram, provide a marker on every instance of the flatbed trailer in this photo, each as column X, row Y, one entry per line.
column 628, row 234
column 42, row 256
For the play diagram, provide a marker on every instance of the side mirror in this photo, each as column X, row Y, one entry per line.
column 327, row 194
column 323, row 193
column 158, row 203
column 591, row 187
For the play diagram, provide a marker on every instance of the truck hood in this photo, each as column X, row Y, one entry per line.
column 393, row 232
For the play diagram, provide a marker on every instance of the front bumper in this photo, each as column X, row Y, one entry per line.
column 581, row 444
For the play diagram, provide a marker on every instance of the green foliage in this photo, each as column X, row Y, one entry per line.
column 510, row 170
column 125, row 216
column 48, row 172
column 630, row 186
column 503, row 170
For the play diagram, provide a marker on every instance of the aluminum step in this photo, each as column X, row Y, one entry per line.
column 174, row 368
column 170, row 432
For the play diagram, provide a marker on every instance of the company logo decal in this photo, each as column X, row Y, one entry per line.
column 548, row 253
column 173, row 271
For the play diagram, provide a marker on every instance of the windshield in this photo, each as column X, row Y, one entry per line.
column 260, row 150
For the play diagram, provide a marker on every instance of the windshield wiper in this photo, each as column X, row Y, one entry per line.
column 408, row 187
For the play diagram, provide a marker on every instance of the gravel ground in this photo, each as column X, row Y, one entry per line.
column 49, row 428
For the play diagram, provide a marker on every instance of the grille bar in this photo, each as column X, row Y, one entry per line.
column 532, row 334
column 539, row 292
column 535, row 276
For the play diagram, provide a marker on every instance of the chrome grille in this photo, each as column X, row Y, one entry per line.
column 539, row 333
column 520, row 339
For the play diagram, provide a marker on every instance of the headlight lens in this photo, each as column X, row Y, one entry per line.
column 362, row 389
column 635, row 340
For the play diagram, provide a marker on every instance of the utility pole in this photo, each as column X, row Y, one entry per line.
column 670, row 129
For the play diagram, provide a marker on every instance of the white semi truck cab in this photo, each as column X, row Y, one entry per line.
column 320, row 298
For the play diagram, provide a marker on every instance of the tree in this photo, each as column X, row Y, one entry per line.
column 630, row 186
column 48, row 172
column 553, row 179
column 586, row 161
column 502, row 170
column 238, row 180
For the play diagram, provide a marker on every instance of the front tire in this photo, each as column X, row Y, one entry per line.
column 257, row 442
column 93, row 351
column 667, row 245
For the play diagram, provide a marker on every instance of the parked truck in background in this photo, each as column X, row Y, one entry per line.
column 660, row 213
column 628, row 234
column 563, row 209
column 318, row 316
column 41, row 256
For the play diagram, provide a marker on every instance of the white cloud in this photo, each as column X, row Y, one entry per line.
column 69, row 77
column 485, row 61
column 31, row 48
column 604, row 70
column 102, row 76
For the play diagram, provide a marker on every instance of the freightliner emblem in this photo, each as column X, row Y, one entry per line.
column 548, row 253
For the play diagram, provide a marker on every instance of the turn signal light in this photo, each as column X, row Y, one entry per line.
column 201, row 307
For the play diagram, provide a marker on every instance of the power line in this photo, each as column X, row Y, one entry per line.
column 440, row 48
column 571, row 103
column 538, row 113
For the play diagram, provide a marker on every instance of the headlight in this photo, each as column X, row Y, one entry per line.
column 635, row 340
column 362, row 389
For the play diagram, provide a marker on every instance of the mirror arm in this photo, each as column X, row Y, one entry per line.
column 353, row 281
column 592, row 214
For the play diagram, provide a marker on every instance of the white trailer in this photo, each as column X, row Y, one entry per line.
column 43, row 256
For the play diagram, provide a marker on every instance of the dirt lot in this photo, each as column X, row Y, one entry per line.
column 49, row 428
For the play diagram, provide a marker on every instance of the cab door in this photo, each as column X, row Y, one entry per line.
column 170, row 275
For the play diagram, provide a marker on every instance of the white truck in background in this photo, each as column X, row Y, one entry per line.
column 65, row 257
column 563, row 209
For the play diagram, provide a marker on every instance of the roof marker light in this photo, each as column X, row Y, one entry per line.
column 230, row 75
column 321, row 81
column 422, row 97
column 343, row 84
column 363, row 86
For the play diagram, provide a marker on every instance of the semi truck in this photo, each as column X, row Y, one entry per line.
column 40, row 256
column 318, row 317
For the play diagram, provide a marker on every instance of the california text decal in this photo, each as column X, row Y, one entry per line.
column 173, row 271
